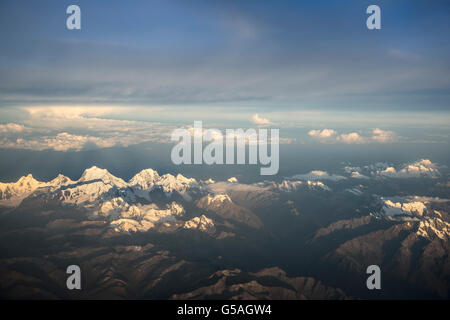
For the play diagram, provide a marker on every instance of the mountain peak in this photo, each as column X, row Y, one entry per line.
column 218, row 198
column 93, row 173
column 96, row 173
column 60, row 180
column 27, row 178
column 145, row 179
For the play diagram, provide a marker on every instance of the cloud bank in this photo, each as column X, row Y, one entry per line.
column 332, row 136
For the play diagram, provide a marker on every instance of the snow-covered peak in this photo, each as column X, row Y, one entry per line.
column 148, row 179
column 145, row 179
column 170, row 183
column 60, row 180
column 293, row 185
column 217, row 199
column 139, row 217
column 421, row 168
column 29, row 177
column 399, row 207
column 289, row 186
column 12, row 194
column 95, row 173
column 318, row 184
column 201, row 223
column 316, row 175
column 25, row 184
column 434, row 227
column 96, row 185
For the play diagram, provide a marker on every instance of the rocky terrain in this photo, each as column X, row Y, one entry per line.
column 171, row 237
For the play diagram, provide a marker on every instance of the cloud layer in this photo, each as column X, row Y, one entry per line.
column 332, row 136
column 216, row 52
column 67, row 128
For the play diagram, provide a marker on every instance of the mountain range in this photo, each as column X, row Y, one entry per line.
column 172, row 237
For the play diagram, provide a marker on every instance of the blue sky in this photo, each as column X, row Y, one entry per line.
column 238, row 55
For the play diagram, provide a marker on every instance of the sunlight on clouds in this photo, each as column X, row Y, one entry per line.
column 351, row 138
column 383, row 136
column 256, row 119
column 12, row 127
column 322, row 134
column 64, row 142
column 77, row 128
column 332, row 136
column 66, row 128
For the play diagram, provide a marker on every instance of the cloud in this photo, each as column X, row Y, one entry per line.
column 256, row 119
column 61, row 142
column 351, row 138
column 12, row 128
column 237, row 56
column 332, row 136
column 79, row 128
column 322, row 134
column 383, row 136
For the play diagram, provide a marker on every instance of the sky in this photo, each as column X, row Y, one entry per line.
column 269, row 55
column 137, row 70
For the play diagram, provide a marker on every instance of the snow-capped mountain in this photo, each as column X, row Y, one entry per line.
column 95, row 173
column 127, row 205
column 139, row 217
column 95, row 184
column 294, row 185
column 149, row 179
column 432, row 227
column 222, row 205
column 201, row 223
column 398, row 207
column 417, row 209
column 161, row 222
column 12, row 194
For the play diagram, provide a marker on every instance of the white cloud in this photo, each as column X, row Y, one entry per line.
column 12, row 128
column 383, row 136
column 76, row 128
column 256, row 119
column 351, row 138
column 322, row 134
column 61, row 142
column 332, row 136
